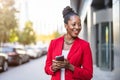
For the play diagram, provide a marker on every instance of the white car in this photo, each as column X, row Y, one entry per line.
column 31, row 53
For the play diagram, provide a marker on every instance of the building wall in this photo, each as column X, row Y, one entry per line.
column 116, row 30
column 103, row 18
column 116, row 24
column 92, row 16
column 102, row 15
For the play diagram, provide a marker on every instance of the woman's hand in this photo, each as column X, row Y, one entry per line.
column 57, row 65
column 68, row 65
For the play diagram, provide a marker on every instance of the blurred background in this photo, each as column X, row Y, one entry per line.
column 27, row 26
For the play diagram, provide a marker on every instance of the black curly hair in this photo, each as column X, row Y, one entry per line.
column 67, row 13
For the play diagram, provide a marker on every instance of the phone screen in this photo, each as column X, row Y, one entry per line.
column 59, row 58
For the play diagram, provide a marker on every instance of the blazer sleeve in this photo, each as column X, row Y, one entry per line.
column 48, row 63
column 86, row 71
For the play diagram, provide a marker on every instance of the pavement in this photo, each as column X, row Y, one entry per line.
column 99, row 74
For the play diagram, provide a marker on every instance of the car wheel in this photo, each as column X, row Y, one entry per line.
column 5, row 66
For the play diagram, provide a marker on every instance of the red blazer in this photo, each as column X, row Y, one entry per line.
column 79, row 55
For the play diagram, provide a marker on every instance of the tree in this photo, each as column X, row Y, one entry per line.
column 14, row 33
column 28, row 35
column 8, row 21
column 56, row 34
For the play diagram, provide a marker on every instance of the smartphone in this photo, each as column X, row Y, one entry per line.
column 59, row 58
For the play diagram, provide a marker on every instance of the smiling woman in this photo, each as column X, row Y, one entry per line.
column 77, row 61
column 44, row 14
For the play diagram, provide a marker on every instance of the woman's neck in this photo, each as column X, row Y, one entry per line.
column 68, row 39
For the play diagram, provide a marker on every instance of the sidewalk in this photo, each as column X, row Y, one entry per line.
column 99, row 74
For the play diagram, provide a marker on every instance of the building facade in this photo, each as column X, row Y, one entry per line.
column 100, row 21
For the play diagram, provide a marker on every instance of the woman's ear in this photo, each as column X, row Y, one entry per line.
column 66, row 26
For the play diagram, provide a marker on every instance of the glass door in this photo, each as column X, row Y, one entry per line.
column 104, row 44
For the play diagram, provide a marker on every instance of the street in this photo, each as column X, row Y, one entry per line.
column 33, row 70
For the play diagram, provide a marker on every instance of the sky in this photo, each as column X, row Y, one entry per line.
column 46, row 15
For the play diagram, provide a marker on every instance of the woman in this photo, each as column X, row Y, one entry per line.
column 77, row 64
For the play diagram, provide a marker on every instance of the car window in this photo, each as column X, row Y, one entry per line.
column 6, row 49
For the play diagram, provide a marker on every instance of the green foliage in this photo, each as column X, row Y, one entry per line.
column 14, row 33
column 28, row 35
column 8, row 21
column 56, row 34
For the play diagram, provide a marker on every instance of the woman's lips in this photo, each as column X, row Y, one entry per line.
column 76, row 32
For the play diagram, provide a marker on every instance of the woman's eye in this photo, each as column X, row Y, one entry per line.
column 73, row 24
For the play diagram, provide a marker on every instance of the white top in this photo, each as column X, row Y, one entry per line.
column 65, row 53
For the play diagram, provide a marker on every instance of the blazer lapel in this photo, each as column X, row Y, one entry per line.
column 60, row 45
column 73, row 48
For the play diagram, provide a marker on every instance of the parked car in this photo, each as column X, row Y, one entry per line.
column 44, row 50
column 3, row 62
column 33, row 52
column 16, row 55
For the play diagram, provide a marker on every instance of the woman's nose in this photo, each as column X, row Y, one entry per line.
column 78, row 27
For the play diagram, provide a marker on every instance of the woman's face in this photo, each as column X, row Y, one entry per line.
column 74, row 26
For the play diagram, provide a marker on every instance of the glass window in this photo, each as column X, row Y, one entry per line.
column 104, row 45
